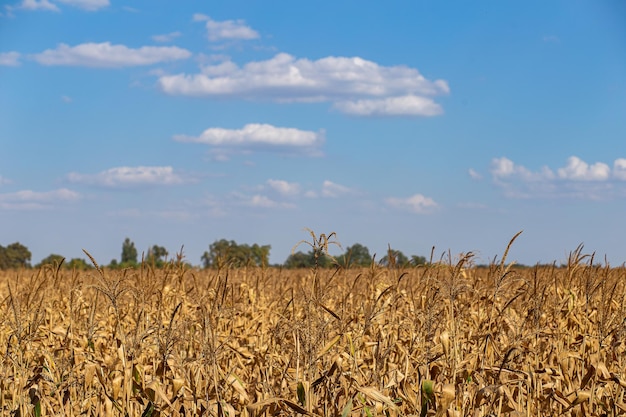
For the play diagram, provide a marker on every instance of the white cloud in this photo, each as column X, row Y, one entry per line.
column 257, row 201
column 62, row 194
column 577, row 169
column 262, row 201
column 333, row 190
column 9, row 59
column 577, row 179
column 354, row 85
column 37, row 5
column 619, row 169
column 199, row 17
column 393, row 106
column 259, row 136
column 417, row 203
column 227, row 29
column 89, row 5
column 503, row 168
column 284, row 187
column 105, row 55
column 36, row 200
column 474, row 174
column 4, row 180
column 66, row 99
column 168, row 37
column 124, row 177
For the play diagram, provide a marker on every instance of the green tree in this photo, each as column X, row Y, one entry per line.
column 52, row 259
column 307, row 260
column 129, row 253
column 418, row 260
column 394, row 258
column 355, row 255
column 14, row 255
column 78, row 264
column 224, row 253
column 157, row 256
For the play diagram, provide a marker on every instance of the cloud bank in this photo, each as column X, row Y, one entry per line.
column 89, row 5
column 36, row 200
column 354, row 85
column 34, row 5
column 577, row 179
column 10, row 59
column 106, row 55
column 128, row 177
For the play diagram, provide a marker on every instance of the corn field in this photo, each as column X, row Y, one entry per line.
column 444, row 339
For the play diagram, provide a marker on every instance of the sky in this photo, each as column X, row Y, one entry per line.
column 409, row 124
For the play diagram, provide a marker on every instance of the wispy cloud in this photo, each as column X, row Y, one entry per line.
column 416, row 203
column 256, row 136
column 355, row 85
column 226, row 29
column 503, row 168
column 10, row 59
column 333, row 190
column 393, row 106
column 89, row 5
column 66, row 99
column 474, row 174
column 129, row 177
column 35, row 5
column 168, row 37
column 4, row 180
column 106, row 55
column 283, row 187
column 36, row 200
column 289, row 190
column 577, row 179
column 259, row 200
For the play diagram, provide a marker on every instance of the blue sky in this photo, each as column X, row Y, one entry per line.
column 410, row 123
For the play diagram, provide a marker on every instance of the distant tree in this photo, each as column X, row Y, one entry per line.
column 223, row 253
column 355, row 255
column 129, row 253
column 78, row 264
column 114, row 264
column 307, row 260
column 418, row 260
column 157, row 256
column 299, row 260
column 394, row 258
column 14, row 255
column 52, row 259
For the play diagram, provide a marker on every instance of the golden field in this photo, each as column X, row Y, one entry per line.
column 446, row 339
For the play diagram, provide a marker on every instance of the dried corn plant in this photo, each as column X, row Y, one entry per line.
column 445, row 339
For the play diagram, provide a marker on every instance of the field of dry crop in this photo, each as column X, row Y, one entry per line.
column 446, row 340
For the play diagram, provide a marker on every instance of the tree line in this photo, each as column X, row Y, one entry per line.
column 220, row 254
